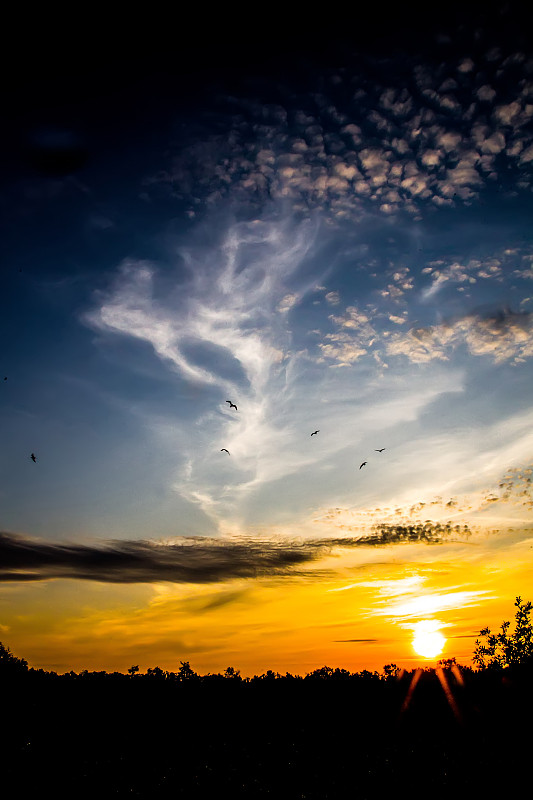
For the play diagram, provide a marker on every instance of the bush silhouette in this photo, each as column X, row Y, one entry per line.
column 502, row 650
column 10, row 665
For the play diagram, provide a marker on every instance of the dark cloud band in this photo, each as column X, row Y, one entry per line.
column 194, row 559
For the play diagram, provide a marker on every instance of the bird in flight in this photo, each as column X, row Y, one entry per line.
column 363, row 464
column 224, row 451
column 33, row 458
column 231, row 405
column 314, row 433
column 380, row 451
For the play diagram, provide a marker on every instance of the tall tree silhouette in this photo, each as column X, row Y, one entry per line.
column 232, row 674
column 186, row 672
column 10, row 665
column 504, row 649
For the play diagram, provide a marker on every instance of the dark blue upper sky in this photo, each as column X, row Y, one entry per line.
column 328, row 222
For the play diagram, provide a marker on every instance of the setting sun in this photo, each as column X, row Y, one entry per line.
column 428, row 641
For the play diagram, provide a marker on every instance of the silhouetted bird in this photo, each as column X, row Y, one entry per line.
column 224, row 451
column 314, row 433
column 231, row 405
column 33, row 458
column 363, row 464
column 380, row 451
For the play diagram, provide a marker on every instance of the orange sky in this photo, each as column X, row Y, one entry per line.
column 354, row 609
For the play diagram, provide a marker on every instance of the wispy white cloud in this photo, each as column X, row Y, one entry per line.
column 464, row 480
column 226, row 304
column 233, row 311
column 428, row 604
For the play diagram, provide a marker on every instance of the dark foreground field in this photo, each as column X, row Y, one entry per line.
column 138, row 737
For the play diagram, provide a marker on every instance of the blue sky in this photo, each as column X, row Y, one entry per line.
column 337, row 241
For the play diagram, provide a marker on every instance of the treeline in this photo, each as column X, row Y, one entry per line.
column 11, row 666
column 494, row 652
column 331, row 734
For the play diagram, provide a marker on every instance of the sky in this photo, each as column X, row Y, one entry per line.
column 328, row 226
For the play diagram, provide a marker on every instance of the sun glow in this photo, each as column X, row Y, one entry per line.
column 433, row 603
column 428, row 641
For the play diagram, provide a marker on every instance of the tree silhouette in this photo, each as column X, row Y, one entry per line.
column 447, row 663
column 10, row 665
column 155, row 672
column 269, row 675
column 504, row 649
column 186, row 672
column 322, row 673
column 390, row 672
column 133, row 670
column 232, row 674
